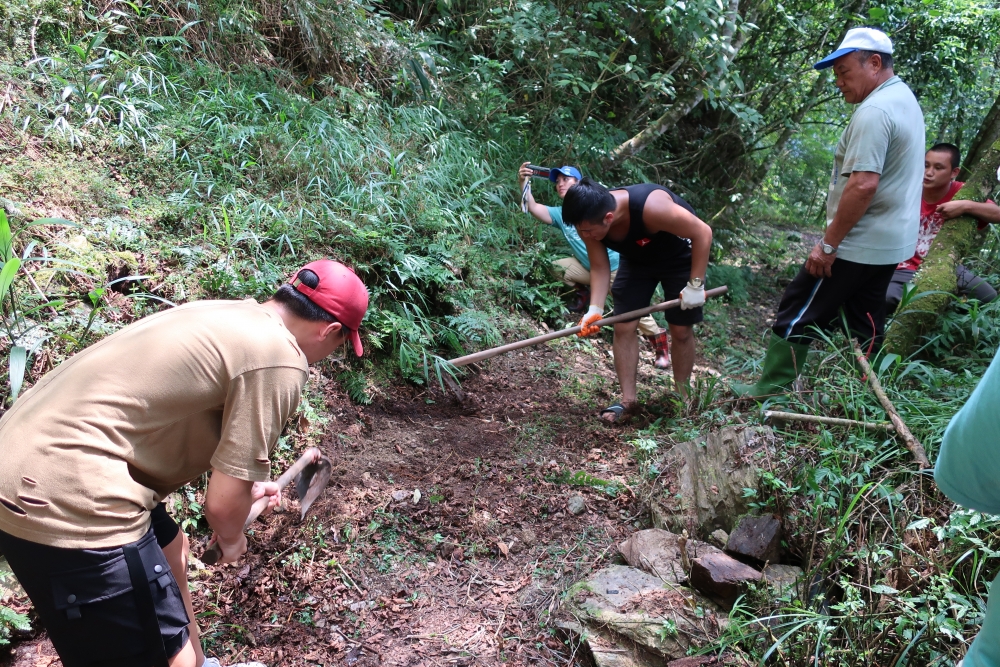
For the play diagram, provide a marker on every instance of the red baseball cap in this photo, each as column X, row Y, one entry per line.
column 339, row 292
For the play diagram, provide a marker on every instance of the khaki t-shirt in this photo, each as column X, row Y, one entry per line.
column 99, row 441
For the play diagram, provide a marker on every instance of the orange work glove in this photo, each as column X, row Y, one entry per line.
column 593, row 314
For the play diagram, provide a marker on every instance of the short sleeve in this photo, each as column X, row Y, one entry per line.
column 257, row 406
column 967, row 466
column 555, row 212
column 871, row 130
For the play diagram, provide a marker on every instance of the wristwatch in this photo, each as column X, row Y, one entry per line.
column 827, row 248
column 696, row 283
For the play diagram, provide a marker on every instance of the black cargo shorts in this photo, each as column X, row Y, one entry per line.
column 89, row 603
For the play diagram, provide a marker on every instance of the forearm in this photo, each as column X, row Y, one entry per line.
column 227, row 504
column 854, row 202
column 701, row 248
column 599, row 281
column 985, row 211
column 539, row 211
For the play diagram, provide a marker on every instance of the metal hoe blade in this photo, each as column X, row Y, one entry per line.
column 311, row 482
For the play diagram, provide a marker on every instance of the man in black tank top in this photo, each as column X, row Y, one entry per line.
column 660, row 240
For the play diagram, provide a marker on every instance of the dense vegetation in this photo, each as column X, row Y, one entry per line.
column 181, row 150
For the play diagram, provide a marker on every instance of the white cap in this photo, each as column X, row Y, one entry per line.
column 858, row 39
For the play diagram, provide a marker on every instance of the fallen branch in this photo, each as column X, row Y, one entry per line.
column 911, row 442
column 832, row 421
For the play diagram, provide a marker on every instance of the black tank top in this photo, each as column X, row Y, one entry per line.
column 641, row 247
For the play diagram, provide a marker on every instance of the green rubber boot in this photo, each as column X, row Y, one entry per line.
column 782, row 364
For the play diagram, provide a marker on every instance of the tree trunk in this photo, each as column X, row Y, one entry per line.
column 760, row 173
column 988, row 134
column 684, row 104
column 956, row 240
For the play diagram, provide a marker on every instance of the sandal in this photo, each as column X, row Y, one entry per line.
column 619, row 412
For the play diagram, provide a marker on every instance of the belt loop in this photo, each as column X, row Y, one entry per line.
column 145, row 606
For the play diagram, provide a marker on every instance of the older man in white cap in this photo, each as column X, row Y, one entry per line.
column 873, row 212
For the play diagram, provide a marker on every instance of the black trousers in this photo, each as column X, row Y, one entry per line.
column 816, row 302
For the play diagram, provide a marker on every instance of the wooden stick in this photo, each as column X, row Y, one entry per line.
column 911, row 443
column 832, row 421
column 635, row 314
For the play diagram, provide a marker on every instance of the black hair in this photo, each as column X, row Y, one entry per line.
column 587, row 201
column 950, row 149
column 865, row 55
column 299, row 303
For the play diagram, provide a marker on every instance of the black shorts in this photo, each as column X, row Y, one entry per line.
column 87, row 603
column 635, row 284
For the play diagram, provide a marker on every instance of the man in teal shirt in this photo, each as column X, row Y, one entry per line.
column 575, row 271
column 967, row 472
column 873, row 213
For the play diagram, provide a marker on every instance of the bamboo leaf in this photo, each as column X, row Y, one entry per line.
column 6, row 238
column 7, row 275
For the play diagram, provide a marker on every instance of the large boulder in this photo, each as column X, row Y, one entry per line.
column 608, row 649
column 660, row 617
column 658, row 552
column 702, row 483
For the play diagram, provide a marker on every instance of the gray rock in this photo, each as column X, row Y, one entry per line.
column 757, row 540
column 702, row 487
column 576, row 505
column 606, row 648
column 400, row 496
column 719, row 538
column 783, row 579
column 722, row 578
column 658, row 552
column 662, row 618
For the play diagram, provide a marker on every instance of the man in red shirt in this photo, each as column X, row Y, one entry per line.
column 941, row 166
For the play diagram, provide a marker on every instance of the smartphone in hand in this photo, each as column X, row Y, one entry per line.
column 539, row 172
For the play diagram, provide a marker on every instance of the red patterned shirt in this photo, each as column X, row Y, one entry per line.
column 930, row 225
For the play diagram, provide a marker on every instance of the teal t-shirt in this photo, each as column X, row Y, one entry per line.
column 968, row 467
column 576, row 244
column 885, row 136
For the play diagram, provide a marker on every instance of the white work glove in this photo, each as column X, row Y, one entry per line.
column 692, row 297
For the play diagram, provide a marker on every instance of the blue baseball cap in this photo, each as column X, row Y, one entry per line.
column 566, row 170
column 858, row 39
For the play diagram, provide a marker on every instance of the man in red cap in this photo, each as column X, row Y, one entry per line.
column 91, row 451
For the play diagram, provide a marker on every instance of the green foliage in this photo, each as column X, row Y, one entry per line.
column 10, row 621
column 893, row 569
column 737, row 278
column 356, row 386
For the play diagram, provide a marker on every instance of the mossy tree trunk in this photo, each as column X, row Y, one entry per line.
column 957, row 239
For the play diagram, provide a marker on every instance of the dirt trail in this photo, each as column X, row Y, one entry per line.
column 468, row 573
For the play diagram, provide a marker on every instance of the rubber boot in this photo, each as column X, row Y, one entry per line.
column 782, row 364
column 661, row 347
